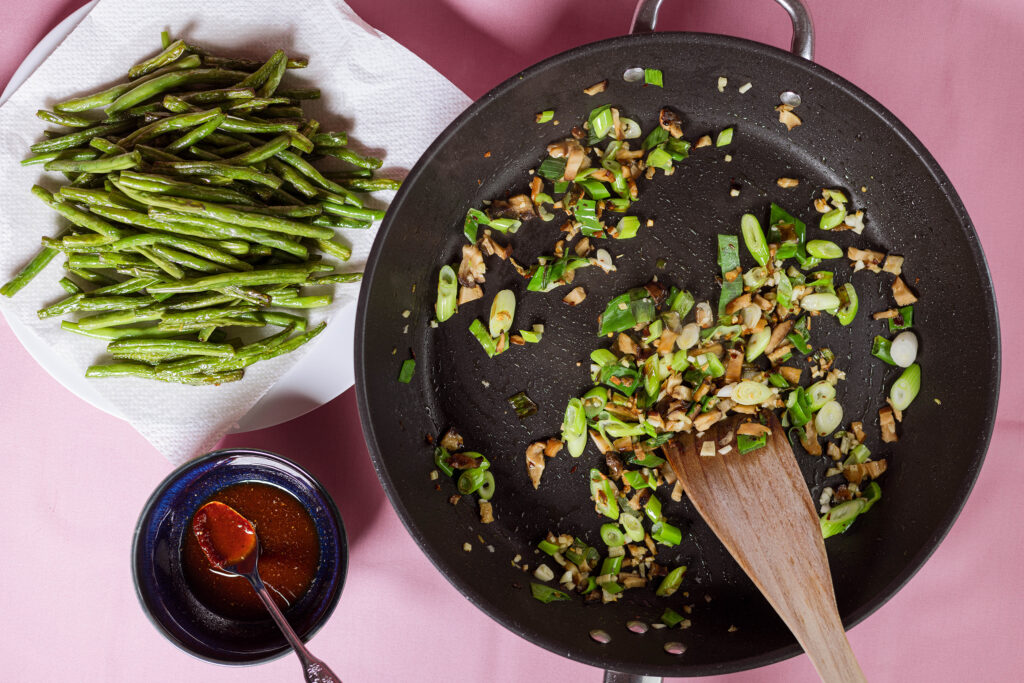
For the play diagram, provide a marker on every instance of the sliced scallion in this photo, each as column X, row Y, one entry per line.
column 547, row 594
column 503, row 309
column 746, row 443
column 724, row 137
column 753, row 236
column 666, row 533
column 612, row 535
column 904, row 390
column 522, row 404
column 405, row 374
column 670, row 584
column 633, row 526
column 545, row 116
column 847, row 303
column 653, row 77
column 574, row 427
column 447, row 294
column 832, row 219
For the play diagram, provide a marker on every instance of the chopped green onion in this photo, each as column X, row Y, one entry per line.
column 757, row 343
column 545, row 116
column 819, row 301
column 522, row 404
column 548, row 547
column 486, row 490
column 659, row 158
column 828, row 419
column 670, row 584
column 405, row 374
column 547, row 594
column 601, row 121
column 654, row 138
column 636, row 479
column 797, row 408
column 604, row 493
column 627, row 227
column 480, row 332
column 848, row 304
column 532, row 336
column 832, row 219
column 667, row 534
column 442, row 458
column 753, row 236
column 653, row 77
column 746, row 443
column 905, row 389
column 470, row 480
column 503, row 309
column 626, row 311
column 671, row 618
column 611, row 566
column 505, row 224
column 653, row 509
column 880, row 349
column 777, row 380
column 824, row 249
column 612, row 536
column 447, row 291
column 574, row 427
column 820, row 393
column 474, row 219
column 904, row 320
column 839, row 518
column 728, row 261
column 724, row 138
column 633, row 526
column 858, row 454
column 552, row 169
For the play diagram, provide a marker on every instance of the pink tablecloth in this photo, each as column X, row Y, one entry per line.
column 73, row 479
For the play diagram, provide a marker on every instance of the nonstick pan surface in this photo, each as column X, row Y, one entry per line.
column 847, row 140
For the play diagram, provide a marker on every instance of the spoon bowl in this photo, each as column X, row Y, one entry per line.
column 231, row 544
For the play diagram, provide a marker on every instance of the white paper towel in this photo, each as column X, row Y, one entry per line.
column 391, row 102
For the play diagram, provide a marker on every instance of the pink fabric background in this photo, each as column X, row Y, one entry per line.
column 73, row 479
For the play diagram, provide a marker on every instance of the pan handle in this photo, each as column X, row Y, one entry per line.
column 646, row 17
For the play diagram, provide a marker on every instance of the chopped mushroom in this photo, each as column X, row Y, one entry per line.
column 596, row 88
column 452, row 440
column 790, row 374
column 858, row 431
column 486, row 512
column 872, row 260
column 552, row 447
column 703, row 421
column 703, row 141
column 467, row 294
column 472, row 268
column 753, row 429
column 787, row 117
column 602, row 443
column 522, row 206
column 809, row 439
column 888, row 423
column 575, row 297
column 787, row 183
column 893, row 264
column 492, row 248
column 670, row 121
column 582, row 247
column 535, row 462
column 902, row 293
column 779, row 333
column 873, row 468
column 735, row 365
column 883, row 315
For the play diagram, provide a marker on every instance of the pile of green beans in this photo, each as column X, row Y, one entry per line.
column 193, row 207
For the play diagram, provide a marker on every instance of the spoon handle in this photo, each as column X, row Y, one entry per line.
column 314, row 669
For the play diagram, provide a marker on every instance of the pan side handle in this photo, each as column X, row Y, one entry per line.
column 645, row 18
column 616, row 677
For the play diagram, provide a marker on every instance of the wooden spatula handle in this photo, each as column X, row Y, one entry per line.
column 760, row 508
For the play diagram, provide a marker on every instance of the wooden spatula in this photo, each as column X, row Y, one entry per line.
column 759, row 507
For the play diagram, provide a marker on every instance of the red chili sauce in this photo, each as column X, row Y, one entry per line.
column 289, row 549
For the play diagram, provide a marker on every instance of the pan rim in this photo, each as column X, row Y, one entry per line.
column 678, row 40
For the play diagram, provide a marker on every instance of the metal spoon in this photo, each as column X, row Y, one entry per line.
column 315, row 670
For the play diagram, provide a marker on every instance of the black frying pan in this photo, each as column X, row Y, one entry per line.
column 847, row 140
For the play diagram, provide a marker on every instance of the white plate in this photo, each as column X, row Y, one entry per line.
column 322, row 374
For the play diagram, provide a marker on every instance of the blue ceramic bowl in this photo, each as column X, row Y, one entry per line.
column 157, row 567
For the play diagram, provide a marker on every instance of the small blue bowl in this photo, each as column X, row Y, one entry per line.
column 157, row 567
